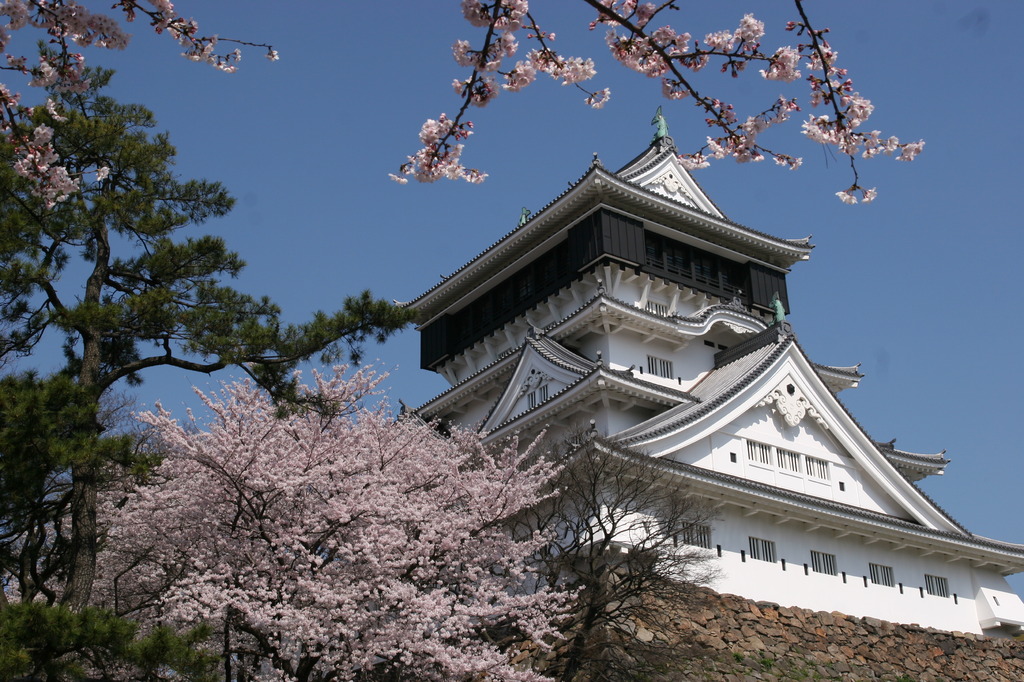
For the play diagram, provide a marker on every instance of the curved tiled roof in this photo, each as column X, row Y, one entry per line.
column 558, row 354
column 697, row 321
column 627, row 174
column 718, row 228
column 734, row 371
column 933, row 458
column 625, row 376
column 667, row 148
column 813, row 502
column 850, row 510
column 594, row 166
column 500, row 359
column 853, row 371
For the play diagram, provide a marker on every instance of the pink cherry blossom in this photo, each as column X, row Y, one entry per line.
column 847, row 197
column 783, row 65
column 598, row 99
column 909, row 151
column 660, row 50
column 335, row 540
column 750, row 30
column 70, row 26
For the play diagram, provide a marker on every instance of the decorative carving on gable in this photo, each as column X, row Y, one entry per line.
column 535, row 379
column 672, row 186
column 790, row 404
column 669, row 182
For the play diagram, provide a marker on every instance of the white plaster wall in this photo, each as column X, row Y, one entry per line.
column 475, row 414
column 619, row 420
column 688, row 364
column 806, row 438
column 761, row 580
column 996, row 600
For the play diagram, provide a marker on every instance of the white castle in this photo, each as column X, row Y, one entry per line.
column 632, row 303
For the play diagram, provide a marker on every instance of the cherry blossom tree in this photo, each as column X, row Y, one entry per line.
column 639, row 37
column 333, row 546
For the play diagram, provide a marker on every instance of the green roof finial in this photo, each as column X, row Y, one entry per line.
column 661, row 126
column 780, row 310
column 524, row 216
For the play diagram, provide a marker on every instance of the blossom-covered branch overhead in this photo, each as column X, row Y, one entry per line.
column 636, row 34
column 638, row 39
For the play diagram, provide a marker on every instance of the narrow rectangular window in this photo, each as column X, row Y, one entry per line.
column 698, row 535
column 822, row 562
column 759, row 452
column 705, row 269
column 677, row 259
column 817, row 468
column 537, row 396
column 935, row 585
column 657, row 308
column 655, row 252
column 788, row 460
column 762, row 550
column 659, row 367
column 882, row 575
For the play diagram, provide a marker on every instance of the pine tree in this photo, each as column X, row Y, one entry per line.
column 108, row 271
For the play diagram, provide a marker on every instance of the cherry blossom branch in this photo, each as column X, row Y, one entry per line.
column 440, row 156
column 674, row 57
column 69, row 26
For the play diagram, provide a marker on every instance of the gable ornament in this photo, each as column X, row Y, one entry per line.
column 671, row 185
column 789, row 403
column 533, row 381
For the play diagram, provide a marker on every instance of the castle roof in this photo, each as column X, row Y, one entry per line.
column 641, row 188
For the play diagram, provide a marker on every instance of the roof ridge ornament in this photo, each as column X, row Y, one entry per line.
column 780, row 310
column 524, row 215
column 660, row 126
column 661, row 137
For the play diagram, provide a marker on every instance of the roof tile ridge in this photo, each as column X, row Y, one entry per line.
column 558, row 354
column 594, row 167
column 501, row 358
column 538, row 406
column 874, row 442
column 667, row 149
column 627, row 374
column 776, row 333
column 700, row 317
column 733, row 306
column 852, row 370
column 579, row 309
column 926, row 456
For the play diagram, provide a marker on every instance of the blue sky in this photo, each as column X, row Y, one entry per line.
column 921, row 287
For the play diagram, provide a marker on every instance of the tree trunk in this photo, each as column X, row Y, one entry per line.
column 85, row 474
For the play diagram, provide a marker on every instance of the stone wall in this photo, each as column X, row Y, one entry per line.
column 738, row 640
